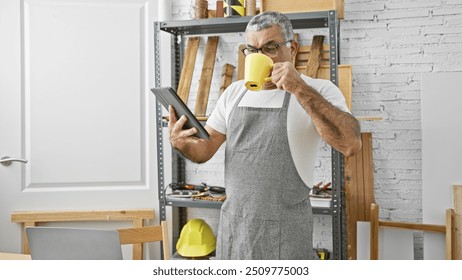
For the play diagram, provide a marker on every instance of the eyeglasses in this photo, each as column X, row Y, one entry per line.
column 270, row 50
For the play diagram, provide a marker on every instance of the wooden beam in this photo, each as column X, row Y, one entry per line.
column 226, row 76
column 25, row 241
column 187, row 70
column 240, row 62
column 206, row 76
column 351, row 207
column 457, row 206
column 315, row 56
column 138, row 248
column 86, row 215
column 368, row 173
column 303, row 55
column 298, row 6
column 359, row 185
column 413, row 226
column 374, row 241
column 140, row 235
column 450, row 231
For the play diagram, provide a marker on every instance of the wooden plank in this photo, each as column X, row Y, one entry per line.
column 369, row 118
column 220, row 11
column 25, row 241
column 351, row 208
column 450, row 232
column 368, row 173
column 140, row 235
column 165, row 240
column 206, row 76
column 315, row 56
column 359, row 185
column 295, row 40
column 413, row 226
column 226, row 76
column 138, row 248
column 374, row 240
column 298, row 6
column 86, row 215
column 303, row 55
column 187, row 70
column 457, row 205
column 240, row 63
column 359, row 188
column 201, row 119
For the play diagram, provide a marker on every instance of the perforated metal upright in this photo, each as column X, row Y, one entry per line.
column 179, row 29
column 337, row 168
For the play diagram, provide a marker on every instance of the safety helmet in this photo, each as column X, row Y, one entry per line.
column 196, row 239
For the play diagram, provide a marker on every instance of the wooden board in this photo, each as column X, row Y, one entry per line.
column 315, row 56
column 359, row 185
column 187, row 70
column 206, row 76
column 226, row 76
column 303, row 55
column 240, row 63
column 298, row 6
column 457, row 205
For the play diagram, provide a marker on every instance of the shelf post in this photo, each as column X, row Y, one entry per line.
column 159, row 127
column 337, row 157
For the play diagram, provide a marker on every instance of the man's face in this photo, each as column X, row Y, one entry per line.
column 269, row 36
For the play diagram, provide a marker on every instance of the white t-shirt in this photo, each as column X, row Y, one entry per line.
column 304, row 140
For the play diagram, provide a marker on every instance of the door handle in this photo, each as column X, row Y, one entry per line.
column 6, row 160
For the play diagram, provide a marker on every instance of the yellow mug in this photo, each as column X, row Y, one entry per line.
column 257, row 71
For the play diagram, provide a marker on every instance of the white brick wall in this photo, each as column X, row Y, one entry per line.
column 390, row 44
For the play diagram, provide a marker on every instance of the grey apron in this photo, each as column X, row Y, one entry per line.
column 267, row 213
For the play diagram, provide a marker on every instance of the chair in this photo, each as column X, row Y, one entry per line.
column 146, row 234
column 448, row 229
column 33, row 218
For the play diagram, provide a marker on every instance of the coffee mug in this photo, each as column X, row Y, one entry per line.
column 257, row 71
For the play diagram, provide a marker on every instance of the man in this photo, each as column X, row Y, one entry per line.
column 272, row 139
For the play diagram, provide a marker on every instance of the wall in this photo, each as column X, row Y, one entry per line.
column 390, row 45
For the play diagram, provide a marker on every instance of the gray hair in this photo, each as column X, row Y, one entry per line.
column 269, row 19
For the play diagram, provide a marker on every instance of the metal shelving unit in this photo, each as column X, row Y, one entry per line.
column 178, row 29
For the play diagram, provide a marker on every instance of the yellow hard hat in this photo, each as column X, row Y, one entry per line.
column 196, row 239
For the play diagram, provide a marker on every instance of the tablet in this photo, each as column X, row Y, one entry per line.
column 167, row 96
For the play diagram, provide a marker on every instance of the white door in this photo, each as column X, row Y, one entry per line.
column 75, row 102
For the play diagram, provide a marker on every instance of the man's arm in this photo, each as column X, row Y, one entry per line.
column 196, row 149
column 339, row 129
